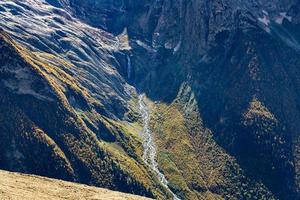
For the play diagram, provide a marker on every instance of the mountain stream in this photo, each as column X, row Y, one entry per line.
column 149, row 154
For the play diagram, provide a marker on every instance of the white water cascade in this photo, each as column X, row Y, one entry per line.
column 149, row 155
column 129, row 67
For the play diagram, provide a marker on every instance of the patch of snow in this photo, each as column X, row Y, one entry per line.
column 177, row 47
column 265, row 20
column 145, row 46
column 168, row 45
column 281, row 17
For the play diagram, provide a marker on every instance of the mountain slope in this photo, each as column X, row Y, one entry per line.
column 53, row 142
column 16, row 186
column 221, row 79
column 58, row 117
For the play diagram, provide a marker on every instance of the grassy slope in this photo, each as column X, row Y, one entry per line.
column 64, row 136
column 27, row 187
column 195, row 165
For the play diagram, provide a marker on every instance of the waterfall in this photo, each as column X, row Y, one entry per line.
column 149, row 154
column 129, row 67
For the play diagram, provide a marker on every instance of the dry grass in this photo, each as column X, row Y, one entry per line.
column 14, row 186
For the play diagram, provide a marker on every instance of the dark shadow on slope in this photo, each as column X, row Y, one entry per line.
column 249, row 71
column 225, row 85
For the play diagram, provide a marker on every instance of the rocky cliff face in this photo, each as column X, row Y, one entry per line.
column 222, row 82
column 240, row 60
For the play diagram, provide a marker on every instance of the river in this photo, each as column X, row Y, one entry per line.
column 149, row 154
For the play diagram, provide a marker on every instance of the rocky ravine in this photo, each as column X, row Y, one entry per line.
column 15, row 186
